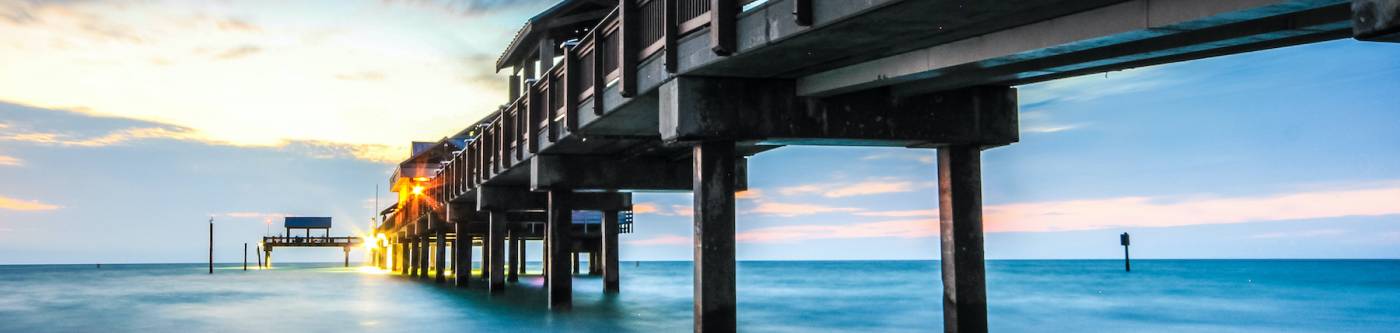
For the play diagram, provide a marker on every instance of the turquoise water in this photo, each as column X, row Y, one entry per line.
column 1024, row 296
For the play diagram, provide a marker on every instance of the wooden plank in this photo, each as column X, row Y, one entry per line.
column 600, row 58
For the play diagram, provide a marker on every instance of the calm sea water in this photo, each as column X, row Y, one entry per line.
column 1025, row 296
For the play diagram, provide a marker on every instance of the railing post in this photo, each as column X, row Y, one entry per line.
column 549, row 122
column 600, row 75
column 532, row 118
column 571, row 89
column 671, row 26
column 627, row 52
column 723, row 24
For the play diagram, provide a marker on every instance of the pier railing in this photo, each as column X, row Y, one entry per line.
column 607, row 56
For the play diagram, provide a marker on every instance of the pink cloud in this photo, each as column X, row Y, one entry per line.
column 644, row 208
column 1159, row 212
column 661, row 240
column 898, row 229
column 25, row 205
column 903, row 213
column 841, row 190
column 796, row 209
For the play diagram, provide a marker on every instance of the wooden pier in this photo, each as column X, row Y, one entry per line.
column 307, row 224
column 608, row 97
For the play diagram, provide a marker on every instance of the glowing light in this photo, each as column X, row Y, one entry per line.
column 417, row 190
column 420, row 179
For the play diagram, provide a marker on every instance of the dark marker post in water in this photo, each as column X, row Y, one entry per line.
column 1127, row 264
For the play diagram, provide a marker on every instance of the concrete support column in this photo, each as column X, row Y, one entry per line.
column 960, row 228
column 441, row 259
column 574, row 256
column 413, row 254
column 513, row 254
column 523, row 263
column 496, row 240
column 610, row 270
column 461, row 255
column 714, row 172
column 423, row 257
column 558, row 234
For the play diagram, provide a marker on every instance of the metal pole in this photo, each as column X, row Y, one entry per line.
column 1127, row 263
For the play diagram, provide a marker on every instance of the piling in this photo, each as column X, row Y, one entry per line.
column 211, row 245
column 245, row 257
column 1127, row 263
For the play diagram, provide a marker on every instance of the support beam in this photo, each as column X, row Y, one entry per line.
column 611, row 283
column 715, row 302
column 1376, row 20
column 559, row 238
column 602, row 172
column 960, row 227
column 461, row 255
column 724, row 30
column 523, row 199
column 523, row 262
column 496, row 282
column 513, row 254
column 441, row 258
column 574, row 257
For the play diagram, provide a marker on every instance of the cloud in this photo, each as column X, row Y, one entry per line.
column 25, row 205
column 1140, row 211
column 1050, row 128
column 240, row 51
column 109, row 139
column 661, row 240
column 917, row 155
column 361, row 76
column 10, row 161
column 1299, row 234
column 902, row 213
column 238, row 25
column 752, row 193
column 474, row 7
column 644, row 208
column 790, row 233
column 796, row 209
column 841, row 190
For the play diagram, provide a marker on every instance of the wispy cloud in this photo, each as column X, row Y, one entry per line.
column 236, row 52
column 796, row 209
column 897, row 229
column 1139, row 211
column 361, row 76
column 902, row 213
column 1050, row 128
column 25, row 205
column 841, row 190
column 109, row 139
column 238, row 25
column 661, row 240
column 918, row 155
column 6, row 160
column 1299, row 234
column 653, row 208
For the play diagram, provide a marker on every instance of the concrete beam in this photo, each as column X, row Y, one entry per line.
column 496, row 240
column 596, row 172
column 715, row 298
column 1376, row 20
column 737, row 109
column 560, row 282
column 522, row 199
column 1078, row 35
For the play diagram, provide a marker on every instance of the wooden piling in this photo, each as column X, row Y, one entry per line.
column 462, row 255
column 245, row 257
column 1127, row 263
column 610, row 270
column 714, row 185
column 557, row 231
column 441, row 259
column 211, row 245
column 960, row 227
column 496, row 282
column 513, row 255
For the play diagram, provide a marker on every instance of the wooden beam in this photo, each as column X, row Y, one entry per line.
column 724, row 34
column 627, row 53
column 671, row 34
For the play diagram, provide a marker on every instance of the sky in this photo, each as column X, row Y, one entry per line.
column 126, row 125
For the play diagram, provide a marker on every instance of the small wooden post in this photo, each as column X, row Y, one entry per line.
column 245, row 257
column 259, row 258
column 1127, row 263
column 211, row 245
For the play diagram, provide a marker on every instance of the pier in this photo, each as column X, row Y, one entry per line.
column 607, row 98
column 306, row 224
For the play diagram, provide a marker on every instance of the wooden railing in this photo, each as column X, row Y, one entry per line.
column 609, row 54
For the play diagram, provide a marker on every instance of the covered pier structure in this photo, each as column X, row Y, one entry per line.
column 608, row 97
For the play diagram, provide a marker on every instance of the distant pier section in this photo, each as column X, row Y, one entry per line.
column 306, row 224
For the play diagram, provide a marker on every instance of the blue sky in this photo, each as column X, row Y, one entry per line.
column 125, row 126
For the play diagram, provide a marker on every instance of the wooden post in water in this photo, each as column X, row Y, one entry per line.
column 245, row 257
column 259, row 258
column 211, row 245
column 1127, row 263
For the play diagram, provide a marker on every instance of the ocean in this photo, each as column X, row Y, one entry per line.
column 774, row 296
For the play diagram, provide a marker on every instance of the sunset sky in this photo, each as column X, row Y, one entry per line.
column 125, row 125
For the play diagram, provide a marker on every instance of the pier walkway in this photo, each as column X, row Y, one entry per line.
column 608, row 98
